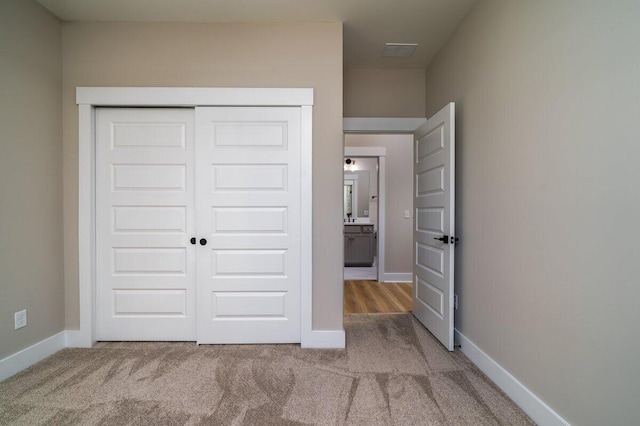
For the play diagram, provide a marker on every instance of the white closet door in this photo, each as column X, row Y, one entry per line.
column 144, row 219
column 248, row 209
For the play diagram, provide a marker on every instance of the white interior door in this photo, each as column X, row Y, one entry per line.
column 434, row 224
column 144, row 218
column 248, row 209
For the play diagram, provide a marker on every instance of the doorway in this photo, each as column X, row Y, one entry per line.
column 380, row 287
column 433, row 205
column 360, row 217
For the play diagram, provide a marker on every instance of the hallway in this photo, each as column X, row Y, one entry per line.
column 370, row 297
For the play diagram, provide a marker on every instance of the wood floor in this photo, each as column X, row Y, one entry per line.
column 370, row 297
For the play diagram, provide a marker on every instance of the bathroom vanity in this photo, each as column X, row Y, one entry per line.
column 359, row 244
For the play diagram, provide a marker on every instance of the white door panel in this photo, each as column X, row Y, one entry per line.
column 434, row 187
column 248, row 207
column 158, row 219
column 144, row 216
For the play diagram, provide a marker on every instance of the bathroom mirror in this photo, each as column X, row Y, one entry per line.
column 356, row 193
column 348, row 198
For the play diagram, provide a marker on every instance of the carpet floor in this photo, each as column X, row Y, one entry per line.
column 393, row 372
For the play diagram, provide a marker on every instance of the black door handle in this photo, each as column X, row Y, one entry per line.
column 203, row 242
column 444, row 239
column 193, row 240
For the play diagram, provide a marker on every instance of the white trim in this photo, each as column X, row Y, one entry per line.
column 75, row 339
column 192, row 96
column 535, row 408
column 368, row 151
column 306, row 231
column 88, row 98
column 397, row 277
column 325, row 339
column 381, row 125
column 380, row 153
column 382, row 213
column 19, row 361
column 86, row 226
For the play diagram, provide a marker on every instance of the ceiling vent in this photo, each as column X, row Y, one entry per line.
column 399, row 49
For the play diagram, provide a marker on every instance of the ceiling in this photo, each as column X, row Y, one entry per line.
column 368, row 24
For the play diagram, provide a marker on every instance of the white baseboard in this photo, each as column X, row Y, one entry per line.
column 13, row 364
column 77, row 339
column 324, row 339
column 535, row 408
column 17, row 362
column 397, row 277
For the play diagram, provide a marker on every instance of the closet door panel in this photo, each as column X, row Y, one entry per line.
column 248, row 209
column 145, row 216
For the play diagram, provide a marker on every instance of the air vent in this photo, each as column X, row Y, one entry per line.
column 399, row 49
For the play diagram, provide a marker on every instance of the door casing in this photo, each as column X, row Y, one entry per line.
column 89, row 98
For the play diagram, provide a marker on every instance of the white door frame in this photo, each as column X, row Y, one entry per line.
column 374, row 126
column 88, row 98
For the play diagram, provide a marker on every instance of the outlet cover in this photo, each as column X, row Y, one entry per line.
column 20, row 319
column 407, row 214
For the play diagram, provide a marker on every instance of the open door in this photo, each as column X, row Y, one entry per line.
column 433, row 239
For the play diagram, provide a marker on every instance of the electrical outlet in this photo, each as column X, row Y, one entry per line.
column 407, row 214
column 20, row 319
column 455, row 301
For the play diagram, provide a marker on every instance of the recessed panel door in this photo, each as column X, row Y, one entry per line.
column 248, row 210
column 144, row 218
column 434, row 187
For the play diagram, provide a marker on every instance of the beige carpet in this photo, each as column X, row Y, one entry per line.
column 392, row 373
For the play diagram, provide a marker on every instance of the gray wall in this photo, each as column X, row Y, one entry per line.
column 30, row 174
column 218, row 55
column 388, row 92
column 548, row 196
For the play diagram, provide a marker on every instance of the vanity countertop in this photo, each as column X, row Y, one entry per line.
column 355, row 228
column 359, row 221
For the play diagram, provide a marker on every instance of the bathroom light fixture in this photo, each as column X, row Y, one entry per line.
column 349, row 164
column 399, row 49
